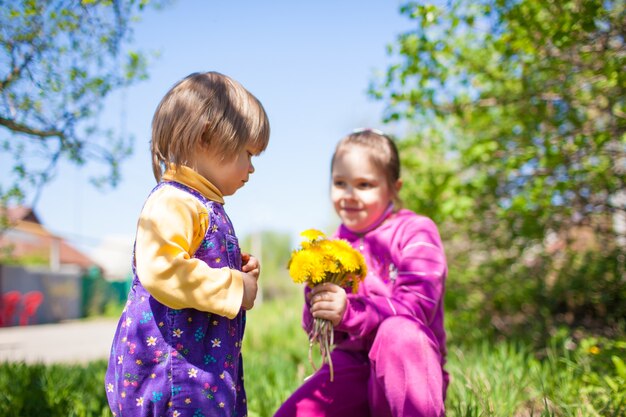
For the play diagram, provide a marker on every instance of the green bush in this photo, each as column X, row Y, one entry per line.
column 506, row 297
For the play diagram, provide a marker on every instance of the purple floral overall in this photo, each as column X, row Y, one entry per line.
column 180, row 363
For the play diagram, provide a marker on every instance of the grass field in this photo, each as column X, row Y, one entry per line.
column 501, row 379
column 582, row 378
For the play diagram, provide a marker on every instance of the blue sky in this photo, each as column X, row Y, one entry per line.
column 309, row 63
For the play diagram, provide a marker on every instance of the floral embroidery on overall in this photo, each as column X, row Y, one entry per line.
column 180, row 363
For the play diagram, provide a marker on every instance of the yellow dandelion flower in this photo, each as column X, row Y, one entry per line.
column 300, row 266
column 312, row 234
column 319, row 272
column 594, row 350
column 326, row 246
column 332, row 267
column 345, row 255
column 325, row 260
column 320, row 260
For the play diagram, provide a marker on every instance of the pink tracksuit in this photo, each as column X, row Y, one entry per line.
column 390, row 347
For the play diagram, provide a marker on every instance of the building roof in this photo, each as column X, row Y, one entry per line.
column 28, row 237
column 20, row 213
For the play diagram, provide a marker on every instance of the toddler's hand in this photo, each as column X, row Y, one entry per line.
column 251, row 265
column 329, row 302
column 250, row 288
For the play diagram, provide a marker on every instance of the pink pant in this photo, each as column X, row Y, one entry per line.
column 401, row 376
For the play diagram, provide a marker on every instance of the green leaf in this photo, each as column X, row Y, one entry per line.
column 620, row 367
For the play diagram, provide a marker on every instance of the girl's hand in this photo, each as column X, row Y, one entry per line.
column 250, row 265
column 329, row 302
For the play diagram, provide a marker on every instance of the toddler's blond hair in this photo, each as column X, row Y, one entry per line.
column 208, row 108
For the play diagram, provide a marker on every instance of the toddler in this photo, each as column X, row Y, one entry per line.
column 177, row 348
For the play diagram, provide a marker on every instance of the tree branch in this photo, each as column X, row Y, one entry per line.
column 22, row 128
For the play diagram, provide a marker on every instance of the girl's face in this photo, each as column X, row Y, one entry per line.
column 229, row 174
column 359, row 191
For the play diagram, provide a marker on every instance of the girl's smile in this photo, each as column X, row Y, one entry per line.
column 359, row 191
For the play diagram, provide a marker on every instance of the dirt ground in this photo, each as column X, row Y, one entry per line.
column 69, row 342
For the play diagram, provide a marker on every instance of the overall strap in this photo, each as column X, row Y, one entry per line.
column 185, row 188
column 205, row 201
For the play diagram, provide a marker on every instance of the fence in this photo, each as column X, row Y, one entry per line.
column 36, row 296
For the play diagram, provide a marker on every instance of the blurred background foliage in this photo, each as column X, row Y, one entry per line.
column 58, row 63
column 516, row 147
column 273, row 250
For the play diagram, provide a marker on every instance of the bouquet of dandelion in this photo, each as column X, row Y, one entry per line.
column 320, row 260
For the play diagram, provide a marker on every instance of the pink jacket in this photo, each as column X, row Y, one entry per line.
column 406, row 276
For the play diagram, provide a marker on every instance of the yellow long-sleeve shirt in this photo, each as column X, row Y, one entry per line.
column 171, row 227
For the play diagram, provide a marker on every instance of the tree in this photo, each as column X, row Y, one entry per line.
column 58, row 61
column 526, row 101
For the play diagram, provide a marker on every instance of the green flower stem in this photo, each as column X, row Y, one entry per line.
column 322, row 334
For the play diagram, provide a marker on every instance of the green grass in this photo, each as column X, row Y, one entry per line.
column 55, row 391
column 275, row 353
column 509, row 380
column 568, row 378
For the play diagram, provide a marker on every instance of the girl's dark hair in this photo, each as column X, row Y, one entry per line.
column 383, row 153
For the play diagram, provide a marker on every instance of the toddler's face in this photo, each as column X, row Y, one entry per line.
column 359, row 191
column 229, row 174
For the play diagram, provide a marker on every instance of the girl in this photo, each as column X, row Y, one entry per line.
column 177, row 348
column 389, row 337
